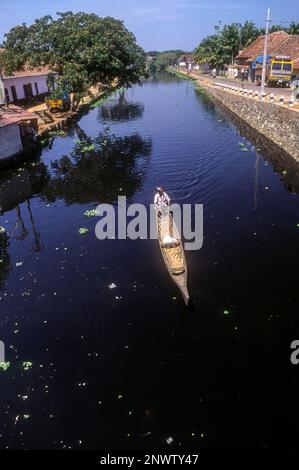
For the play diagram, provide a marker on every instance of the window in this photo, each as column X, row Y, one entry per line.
column 287, row 67
column 36, row 88
column 276, row 66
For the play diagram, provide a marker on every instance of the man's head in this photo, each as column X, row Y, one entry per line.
column 160, row 189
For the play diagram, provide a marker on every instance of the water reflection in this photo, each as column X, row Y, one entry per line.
column 98, row 169
column 281, row 162
column 120, row 110
column 4, row 259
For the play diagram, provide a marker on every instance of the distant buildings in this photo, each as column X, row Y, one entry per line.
column 184, row 60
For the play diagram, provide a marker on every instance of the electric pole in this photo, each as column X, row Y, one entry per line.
column 265, row 54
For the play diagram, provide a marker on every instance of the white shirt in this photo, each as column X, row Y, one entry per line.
column 164, row 199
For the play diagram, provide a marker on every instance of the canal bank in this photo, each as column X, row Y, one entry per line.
column 276, row 122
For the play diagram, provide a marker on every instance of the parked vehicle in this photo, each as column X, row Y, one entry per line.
column 279, row 70
column 58, row 102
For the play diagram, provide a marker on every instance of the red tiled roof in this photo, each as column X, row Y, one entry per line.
column 15, row 114
column 279, row 43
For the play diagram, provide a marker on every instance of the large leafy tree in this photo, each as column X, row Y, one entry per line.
column 221, row 48
column 83, row 49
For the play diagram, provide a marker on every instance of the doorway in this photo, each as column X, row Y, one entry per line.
column 28, row 90
column 14, row 93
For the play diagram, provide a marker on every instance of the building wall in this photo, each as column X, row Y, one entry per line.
column 10, row 141
column 19, row 83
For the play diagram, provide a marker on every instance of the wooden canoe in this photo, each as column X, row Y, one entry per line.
column 173, row 253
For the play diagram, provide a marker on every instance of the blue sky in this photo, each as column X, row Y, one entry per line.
column 157, row 24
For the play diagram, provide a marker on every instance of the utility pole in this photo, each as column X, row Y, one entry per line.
column 265, row 54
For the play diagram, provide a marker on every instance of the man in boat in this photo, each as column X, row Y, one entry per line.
column 161, row 200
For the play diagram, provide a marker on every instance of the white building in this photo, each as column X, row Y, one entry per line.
column 25, row 84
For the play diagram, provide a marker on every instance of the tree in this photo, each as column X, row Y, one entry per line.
column 83, row 49
column 248, row 33
column 293, row 28
column 221, row 48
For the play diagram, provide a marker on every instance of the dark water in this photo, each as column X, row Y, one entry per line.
column 130, row 367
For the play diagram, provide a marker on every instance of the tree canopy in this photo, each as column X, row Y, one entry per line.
column 83, row 49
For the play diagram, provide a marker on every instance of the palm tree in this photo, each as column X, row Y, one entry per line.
column 293, row 28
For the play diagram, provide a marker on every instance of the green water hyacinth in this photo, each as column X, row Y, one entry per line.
column 83, row 230
column 4, row 366
column 27, row 365
column 56, row 133
column 91, row 213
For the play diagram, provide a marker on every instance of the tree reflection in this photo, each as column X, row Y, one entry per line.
column 99, row 169
column 121, row 111
column 4, row 258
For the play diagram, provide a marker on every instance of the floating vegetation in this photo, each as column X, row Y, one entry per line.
column 58, row 133
column 4, row 365
column 243, row 147
column 226, row 312
column 91, row 213
column 83, row 230
column 2, row 229
column 27, row 365
column 84, row 146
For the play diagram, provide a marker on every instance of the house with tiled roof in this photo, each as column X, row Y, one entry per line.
column 25, row 84
column 280, row 43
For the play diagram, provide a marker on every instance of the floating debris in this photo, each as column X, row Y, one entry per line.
column 27, row 365
column 20, row 263
column 169, row 440
column 112, row 286
column 91, row 213
column 2, row 229
column 226, row 312
column 56, row 133
column 4, row 365
column 83, row 230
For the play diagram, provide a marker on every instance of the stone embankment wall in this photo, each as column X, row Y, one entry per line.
column 279, row 123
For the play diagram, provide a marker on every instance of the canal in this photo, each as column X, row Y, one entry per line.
column 130, row 367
